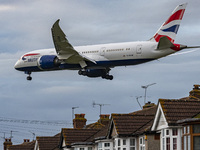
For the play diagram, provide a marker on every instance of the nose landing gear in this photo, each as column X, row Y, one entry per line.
column 29, row 78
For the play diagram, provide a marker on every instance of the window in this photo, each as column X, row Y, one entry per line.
column 169, row 139
column 188, row 129
column 157, row 136
column 119, row 144
column 89, row 148
column 174, row 143
column 81, row 148
column 124, row 142
column 167, row 132
column 186, row 138
column 106, row 144
column 188, row 145
column 132, row 144
column 168, row 143
column 196, row 142
column 141, row 143
column 174, row 132
column 184, row 130
column 196, row 128
column 100, row 146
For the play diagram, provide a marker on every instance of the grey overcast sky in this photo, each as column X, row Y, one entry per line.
column 25, row 26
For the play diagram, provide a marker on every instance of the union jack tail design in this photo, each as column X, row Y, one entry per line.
column 170, row 27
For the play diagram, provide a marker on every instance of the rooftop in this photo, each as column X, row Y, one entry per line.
column 134, row 123
column 178, row 109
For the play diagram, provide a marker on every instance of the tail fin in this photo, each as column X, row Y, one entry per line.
column 170, row 27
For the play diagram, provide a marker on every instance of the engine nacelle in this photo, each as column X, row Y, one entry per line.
column 93, row 72
column 47, row 62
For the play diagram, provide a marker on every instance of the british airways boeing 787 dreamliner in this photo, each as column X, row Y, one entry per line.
column 97, row 60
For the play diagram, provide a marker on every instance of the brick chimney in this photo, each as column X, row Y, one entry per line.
column 148, row 104
column 79, row 122
column 195, row 92
column 104, row 119
column 7, row 143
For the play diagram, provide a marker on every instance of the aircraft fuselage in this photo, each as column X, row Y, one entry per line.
column 105, row 55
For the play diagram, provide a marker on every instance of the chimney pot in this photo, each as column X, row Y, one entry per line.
column 7, row 143
column 196, row 91
column 26, row 140
column 104, row 119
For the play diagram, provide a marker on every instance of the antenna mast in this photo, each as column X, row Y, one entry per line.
column 73, row 112
column 100, row 105
column 145, row 92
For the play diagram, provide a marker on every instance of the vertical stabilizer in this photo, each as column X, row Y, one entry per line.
column 170, row 27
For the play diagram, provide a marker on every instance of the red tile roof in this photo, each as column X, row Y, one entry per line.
column 23, row 146
column 78, row 135
column 48, row 143
column 175, row 110
column 134, row 123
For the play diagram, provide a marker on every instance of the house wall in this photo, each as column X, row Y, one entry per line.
column 125, row 143
column 152, row 142
column 114, row 133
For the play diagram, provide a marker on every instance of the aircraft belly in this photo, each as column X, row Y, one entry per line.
column 113, row 63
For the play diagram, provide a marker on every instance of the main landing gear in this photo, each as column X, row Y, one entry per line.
column 29, row 78
column 104, row 73
column 108, row 77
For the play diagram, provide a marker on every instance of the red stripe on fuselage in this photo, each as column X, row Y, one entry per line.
column 33, row 54
column 176, row 16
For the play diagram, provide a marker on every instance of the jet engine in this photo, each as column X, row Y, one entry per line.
column 96, row 73
column 47, row 62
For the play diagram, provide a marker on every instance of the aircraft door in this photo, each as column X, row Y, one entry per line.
column 139, row 50
column 102, row 51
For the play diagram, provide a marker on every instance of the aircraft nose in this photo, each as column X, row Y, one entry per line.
column 17, row 65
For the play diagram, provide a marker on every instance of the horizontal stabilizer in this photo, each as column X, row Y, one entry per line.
column 193, row 47
column 164, row 43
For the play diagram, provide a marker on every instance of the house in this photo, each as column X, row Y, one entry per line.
column 47, row 143
column 82, row 136
column 177, row 122
column 27, row 145
column 132, row 131
column 172, row 124
column 190, row 133
column 124, row 132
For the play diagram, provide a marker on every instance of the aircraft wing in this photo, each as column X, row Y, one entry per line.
column 64, row 49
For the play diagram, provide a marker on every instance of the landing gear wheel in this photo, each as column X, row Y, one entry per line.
column 29, row 78
column 109, row 77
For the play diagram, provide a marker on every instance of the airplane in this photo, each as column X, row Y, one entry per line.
column 97, row 60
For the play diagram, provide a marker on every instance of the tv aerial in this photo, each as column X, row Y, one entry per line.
column 145, row 92
column 100, row 105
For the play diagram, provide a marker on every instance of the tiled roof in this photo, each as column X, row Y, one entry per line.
column 78, row 135
column 48, row 143
column 23, row 146
column 134, row 123
column 175, row 110
column 95, row 125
